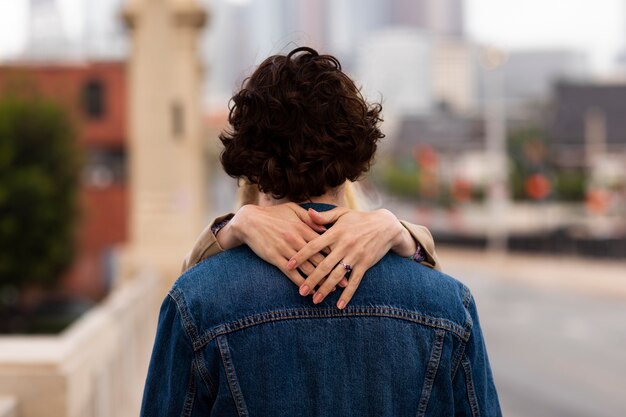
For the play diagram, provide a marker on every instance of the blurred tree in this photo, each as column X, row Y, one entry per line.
column 570, row 185
column 39, row 180
column 400, row 178
column 530, row 164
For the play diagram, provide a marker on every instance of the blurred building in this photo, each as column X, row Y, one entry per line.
column 443, row 131
column 528, row 76
column 245, row 32
column 395, row 65
column 97, row 366
column 437, row 17
column 588, row 124
column 454, row 73
column 94, row 93
column 58, row 68
column 453, row 143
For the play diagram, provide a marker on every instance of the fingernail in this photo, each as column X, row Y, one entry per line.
column 317, row 298
column 314, row 211
column 291, row 264
column 304, row 290
column 341, row 304
column 343, row 282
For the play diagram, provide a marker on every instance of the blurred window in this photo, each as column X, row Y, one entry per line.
column 178, row 120
column 104, row 167
column 93, row 99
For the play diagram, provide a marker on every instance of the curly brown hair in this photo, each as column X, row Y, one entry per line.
column 300, row 127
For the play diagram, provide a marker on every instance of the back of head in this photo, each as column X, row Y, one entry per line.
column 300, row 127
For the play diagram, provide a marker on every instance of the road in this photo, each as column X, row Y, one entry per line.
column 553, row 352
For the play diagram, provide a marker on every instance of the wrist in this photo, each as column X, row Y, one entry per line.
column 404, row 244
column 232, row 234
column 227, row 237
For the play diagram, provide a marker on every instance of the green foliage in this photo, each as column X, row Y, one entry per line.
column 39, row 180
column 400, row 179
column 570, row 185
column 528, row 155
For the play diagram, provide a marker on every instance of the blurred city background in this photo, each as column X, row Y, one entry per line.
column 506, row 136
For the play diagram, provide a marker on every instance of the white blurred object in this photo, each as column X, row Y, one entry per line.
column 396, row 64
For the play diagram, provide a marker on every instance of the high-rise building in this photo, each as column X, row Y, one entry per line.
column 244, row 33
column 396, row 64
column 454, row 74
column 436, row 17
column 529, row 76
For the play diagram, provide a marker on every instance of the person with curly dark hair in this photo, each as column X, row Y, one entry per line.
column 300, row 128
column 236, row 339
column 290, row 140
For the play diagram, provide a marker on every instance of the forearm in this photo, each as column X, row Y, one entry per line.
column 404, row 245
column 206, row 245
column 228, row 237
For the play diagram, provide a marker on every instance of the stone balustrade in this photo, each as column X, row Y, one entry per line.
column 8, row 407
column 95, row 368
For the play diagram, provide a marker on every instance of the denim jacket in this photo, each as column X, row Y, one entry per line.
column 235, row 338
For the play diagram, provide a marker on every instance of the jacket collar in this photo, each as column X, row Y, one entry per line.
column 317, row 206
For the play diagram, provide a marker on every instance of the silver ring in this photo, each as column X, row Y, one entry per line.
column 347, row 267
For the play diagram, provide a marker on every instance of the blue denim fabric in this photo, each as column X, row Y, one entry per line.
column 236, row 339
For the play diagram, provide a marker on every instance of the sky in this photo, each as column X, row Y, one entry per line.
column 597, row 27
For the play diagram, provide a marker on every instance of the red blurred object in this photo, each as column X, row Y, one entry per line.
column 597, row 201
column 427, row 161
column 425, row 156
column 461, row 190
column 537, row 187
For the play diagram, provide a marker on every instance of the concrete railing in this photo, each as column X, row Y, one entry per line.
column 96, row 368
column 8, row 407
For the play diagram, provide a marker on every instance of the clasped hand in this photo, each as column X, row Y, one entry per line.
column 313, row 257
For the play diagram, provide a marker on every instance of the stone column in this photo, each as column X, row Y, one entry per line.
column 166, row 164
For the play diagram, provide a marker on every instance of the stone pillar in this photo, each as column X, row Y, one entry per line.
column 166, row 164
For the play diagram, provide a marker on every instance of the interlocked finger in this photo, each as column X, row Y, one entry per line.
column 321, row 271
column 307, row 268
column 342, row 269
column 355, row 279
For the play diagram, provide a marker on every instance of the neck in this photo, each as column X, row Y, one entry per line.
column 335, row 197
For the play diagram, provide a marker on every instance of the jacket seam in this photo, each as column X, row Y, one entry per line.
column 467, row 296
column 191, row 394
column 467, row 300
column 293, row 314
column 471, row 390
column 431, row 372
column 185, row 316
column 204, row 374
column 231, row 376
column 186, row 321
column 456, row 359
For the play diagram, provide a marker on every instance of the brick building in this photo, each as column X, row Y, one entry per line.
column 95, row 95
